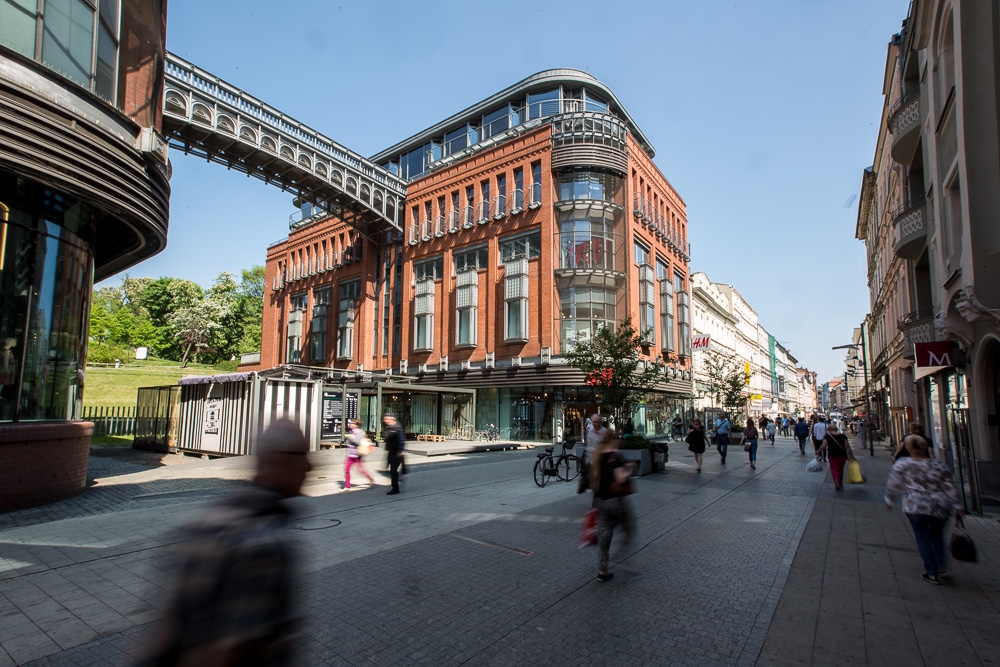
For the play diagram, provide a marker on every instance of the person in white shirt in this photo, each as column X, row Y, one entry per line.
column 819, row 432
column 595, row 434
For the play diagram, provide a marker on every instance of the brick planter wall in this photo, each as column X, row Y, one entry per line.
column 41, row 462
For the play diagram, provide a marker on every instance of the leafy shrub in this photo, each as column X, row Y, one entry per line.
column 107, row 353
column 227, row 366
column 635, row 442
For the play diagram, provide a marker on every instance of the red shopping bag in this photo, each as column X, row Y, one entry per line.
column 588, row 531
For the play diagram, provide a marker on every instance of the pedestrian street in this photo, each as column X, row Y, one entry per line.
column 474, row 564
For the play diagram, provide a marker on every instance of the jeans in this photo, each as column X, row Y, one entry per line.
column 753, row 449
column 929, row 532
column 722, row 444
column 349, row 463
column 802, row 443
column 610, row 513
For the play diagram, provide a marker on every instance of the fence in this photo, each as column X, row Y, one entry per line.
column 110, row 420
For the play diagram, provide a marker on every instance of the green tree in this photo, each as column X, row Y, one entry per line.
column 163, row 298
column 610, row 361
column 727, row 381
column 193, row 327
column 250, row 309
column 100, row 320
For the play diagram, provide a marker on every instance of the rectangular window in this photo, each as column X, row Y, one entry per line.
column 423, row 316
column 317, row 327
column 469, row 215
column 641, row 254
column 466, row 303
column 529, row 245
column 516, row 299
column 500, row 206
column 471, row 259
column 647, row 301
column 17, row 25
column 536, row 184
column 68, row 39
column 543, row 104
column 667, row 315
column 683, row 322
column 498, row 121
column 517, row 195
column 298, row 305
column 349, row 293
column 429, row 270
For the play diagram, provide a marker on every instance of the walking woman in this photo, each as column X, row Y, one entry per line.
column 355, row 438
column 696, row 441
column 838, row 450
column 610, row 480
column 750, row 438
column 929, row 498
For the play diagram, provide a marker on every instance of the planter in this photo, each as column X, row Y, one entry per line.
column 643, row 456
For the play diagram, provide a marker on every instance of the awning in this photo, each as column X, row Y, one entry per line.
column 215, row 379
column 920, row 372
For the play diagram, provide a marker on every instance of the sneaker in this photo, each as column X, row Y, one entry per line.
column 929, row 578
column 605, row 577
column 943, row 575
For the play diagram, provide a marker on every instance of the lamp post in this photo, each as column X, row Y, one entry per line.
column 864, row 367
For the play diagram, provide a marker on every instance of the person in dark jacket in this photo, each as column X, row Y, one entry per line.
column 395, row 441
column 801, row 433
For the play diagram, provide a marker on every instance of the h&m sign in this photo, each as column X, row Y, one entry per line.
column 701, row 342
column 937, row 353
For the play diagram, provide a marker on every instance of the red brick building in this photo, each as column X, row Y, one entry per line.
column 532, row 218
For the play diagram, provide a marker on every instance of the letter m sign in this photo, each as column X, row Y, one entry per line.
column 938, row 353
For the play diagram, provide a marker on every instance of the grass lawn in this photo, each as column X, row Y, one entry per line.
column 117, row 386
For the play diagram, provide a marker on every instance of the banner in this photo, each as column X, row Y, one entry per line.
column 937, row 353
column 702, row 342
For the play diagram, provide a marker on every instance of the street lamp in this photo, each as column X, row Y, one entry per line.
column 864, row 367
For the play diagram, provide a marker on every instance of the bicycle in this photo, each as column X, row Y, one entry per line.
column 566, row 466
column 489, row 435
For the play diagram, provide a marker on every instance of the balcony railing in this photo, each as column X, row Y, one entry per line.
column 904, row 124
column 536, row 195
column 581, row 250
column 516, row 200
column 916, row 327
column 910, row 224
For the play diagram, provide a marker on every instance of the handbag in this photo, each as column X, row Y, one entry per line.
column 852, row 475
column 365, row 447
column 746, row 444
column 962, row 547
column 588, row 531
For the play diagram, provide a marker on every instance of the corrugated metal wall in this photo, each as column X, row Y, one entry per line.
column 226, row 417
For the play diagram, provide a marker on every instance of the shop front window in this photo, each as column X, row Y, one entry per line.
column 46, row 274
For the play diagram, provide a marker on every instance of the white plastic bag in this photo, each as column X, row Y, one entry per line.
column 816, row 465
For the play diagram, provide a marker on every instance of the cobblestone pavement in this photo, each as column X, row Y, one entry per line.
column 471, row 564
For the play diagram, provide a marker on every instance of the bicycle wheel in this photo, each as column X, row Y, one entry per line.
column 540, row 466
column 482, row 436
column 569, row 467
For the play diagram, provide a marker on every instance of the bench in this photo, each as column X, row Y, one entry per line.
column 429, row 437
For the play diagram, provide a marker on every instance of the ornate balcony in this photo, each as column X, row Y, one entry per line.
column 904, row 124
column 910, row 224
column 916, row 327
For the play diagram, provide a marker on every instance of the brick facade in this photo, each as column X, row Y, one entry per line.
column 42, row 462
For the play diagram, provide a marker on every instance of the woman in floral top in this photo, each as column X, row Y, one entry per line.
column 929, row 498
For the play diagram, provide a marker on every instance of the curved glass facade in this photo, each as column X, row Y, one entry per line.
column 46, row 274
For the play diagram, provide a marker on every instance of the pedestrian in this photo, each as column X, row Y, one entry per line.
column 802, row 432
column 696, row 441
column 818, row 433
column 929, row 498
column 356, row 438
column 678, row 425
column 763, row 423
column 750, row 436
column 722, row 428
column 232, row 602
column 595, row 436
column 395, row 441
column 770, row 432
column 629, row 428
column 837, row 449
column 916, row 429
column 610, row 481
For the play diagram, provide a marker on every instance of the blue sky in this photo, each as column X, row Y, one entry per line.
column 763, row 115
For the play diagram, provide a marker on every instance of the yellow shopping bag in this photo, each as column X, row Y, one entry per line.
column 853, row 473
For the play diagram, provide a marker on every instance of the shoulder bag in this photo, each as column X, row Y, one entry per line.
column 962, row 547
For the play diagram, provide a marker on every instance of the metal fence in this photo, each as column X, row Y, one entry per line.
column 158, row 411
column 110, row 420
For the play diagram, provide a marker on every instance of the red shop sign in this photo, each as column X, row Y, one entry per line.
column 938, row 353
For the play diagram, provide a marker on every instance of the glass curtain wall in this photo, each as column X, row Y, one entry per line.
column 46, row 274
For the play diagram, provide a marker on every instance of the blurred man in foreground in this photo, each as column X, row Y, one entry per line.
column 232, row 603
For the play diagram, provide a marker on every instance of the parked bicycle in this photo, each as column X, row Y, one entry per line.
column 565, row 467
column 491, row 434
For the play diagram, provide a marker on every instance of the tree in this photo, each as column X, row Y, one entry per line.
column 194, row 325
column 727, row 381
column 610, row 361
column 250, row 307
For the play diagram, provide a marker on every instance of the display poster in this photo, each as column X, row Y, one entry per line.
column 333, row 415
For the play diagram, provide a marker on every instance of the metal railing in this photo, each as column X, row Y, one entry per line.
column 582, row 250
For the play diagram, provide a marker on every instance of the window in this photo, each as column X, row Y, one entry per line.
column 518, row 194
column 299, row 302
column 595, row 104
column 466, row 302
column 516, row 299
column 583, row 311
column 349, row 293
column 647, row 301
column 536, row 184
column 590, row 185
column 529, row 245
column 543, row 104
column 423, row 316
column 586, row 244
column 456, row 140
column 666, row 314
column 317, row 333
column 471, row 259
column 499, row 120
column 429, row 270
column 640, row 254
column 683, row 317
column 500, row 209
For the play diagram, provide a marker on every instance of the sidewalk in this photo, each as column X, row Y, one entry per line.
column 854, row 593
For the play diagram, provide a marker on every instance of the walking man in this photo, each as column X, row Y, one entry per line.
column 232, row 603
column 395, row 441
column 819, row 432
column 722, row 428
column 801, row 433
column 595, row 435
